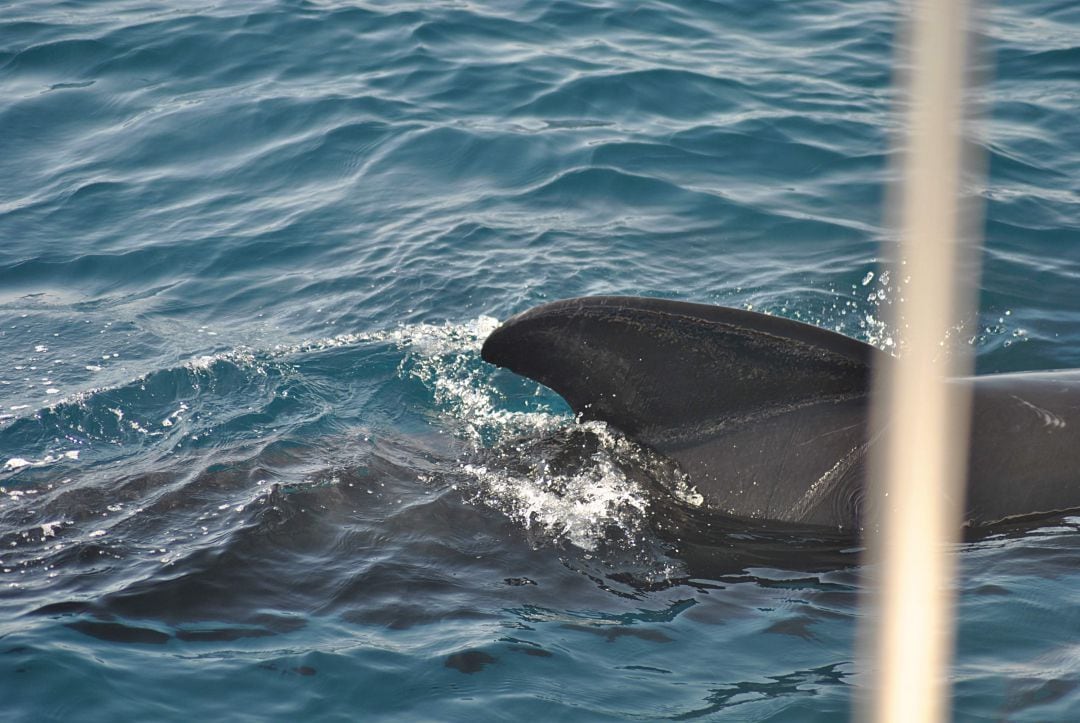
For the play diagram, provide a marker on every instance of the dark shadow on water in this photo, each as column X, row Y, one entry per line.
column 798, row 683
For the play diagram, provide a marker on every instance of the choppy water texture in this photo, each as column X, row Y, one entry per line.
column 251, row 464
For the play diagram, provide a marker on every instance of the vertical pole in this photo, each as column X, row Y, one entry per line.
column 922, row 458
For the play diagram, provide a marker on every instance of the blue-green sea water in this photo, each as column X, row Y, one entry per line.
column 251, row 464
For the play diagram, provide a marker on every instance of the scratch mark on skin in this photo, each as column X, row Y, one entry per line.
column 825, row 483
column 826, row 434
column 1048, row 418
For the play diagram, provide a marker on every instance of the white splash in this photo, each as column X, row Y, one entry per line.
column 506, row 464
column 445, row 359
column 578, row 507
column 17, row 463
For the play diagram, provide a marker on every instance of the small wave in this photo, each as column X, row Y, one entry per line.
column 632, row 93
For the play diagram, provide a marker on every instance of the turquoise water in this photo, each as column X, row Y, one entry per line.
column 251, row 464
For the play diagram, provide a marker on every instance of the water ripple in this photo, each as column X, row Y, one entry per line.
column 248, row 250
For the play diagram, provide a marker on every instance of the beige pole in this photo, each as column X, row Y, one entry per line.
column 919, row 467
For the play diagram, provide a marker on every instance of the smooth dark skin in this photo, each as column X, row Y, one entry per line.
column 769, row 417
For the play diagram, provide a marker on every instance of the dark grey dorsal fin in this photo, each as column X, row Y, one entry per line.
column 768, row 417
column 650, row 366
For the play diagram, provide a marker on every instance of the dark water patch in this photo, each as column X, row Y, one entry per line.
column 799, row 628
column 612, row 634
column 302, row 670
column 63, row 608
column 801, row 682
column 470, row 661
column 1037, row 694
column 119, row 632
column 647, row 669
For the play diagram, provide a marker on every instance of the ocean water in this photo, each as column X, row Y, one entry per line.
column 251, row 464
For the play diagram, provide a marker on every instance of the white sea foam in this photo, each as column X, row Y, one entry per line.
column 517, row 460
column 577, row 503
column 16, row 463
column 446, row 359
column 578, row 506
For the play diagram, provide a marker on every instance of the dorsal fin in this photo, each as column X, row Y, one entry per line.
column 651, row 366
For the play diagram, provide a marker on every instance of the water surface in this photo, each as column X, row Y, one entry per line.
column 251, row 465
